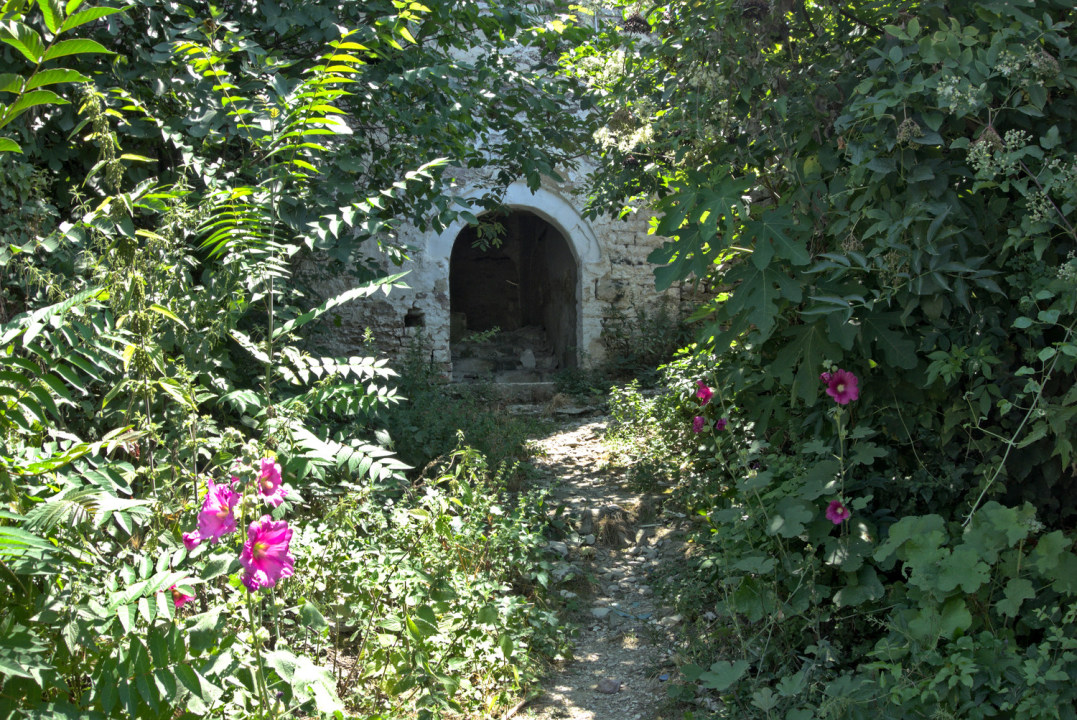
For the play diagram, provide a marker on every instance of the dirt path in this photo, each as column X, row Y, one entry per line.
column 615, row 539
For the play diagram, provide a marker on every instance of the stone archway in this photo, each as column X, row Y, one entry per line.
column 521, row 293
column 591, row 263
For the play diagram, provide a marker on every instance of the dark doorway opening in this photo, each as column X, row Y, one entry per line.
column 513, row 305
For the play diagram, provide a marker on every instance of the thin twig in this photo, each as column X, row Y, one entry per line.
column 849, row 16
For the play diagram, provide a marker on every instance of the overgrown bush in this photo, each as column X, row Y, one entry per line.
column 430, row 597
column 833, row 605
column 425, row 424
column 888, row 189
column 157, row 393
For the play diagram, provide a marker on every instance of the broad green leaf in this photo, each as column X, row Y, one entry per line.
column 79, row 46
column 161, row 310
column 961, row 568
column 776, row 235
column 789, row 517
column 51, row 13
column 722, row 674
column 29, row 100
column 10, row 82
column 312, row 617
column 24, row 39
column 898, row 350
column 89, row 15
column 861, row 587
column 7, row 145
column 806, row 349
column 911, row 536
column 53, row 76
column 1017, row 591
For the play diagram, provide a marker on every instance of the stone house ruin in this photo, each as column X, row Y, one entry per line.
column 542, row 300
column 539, row 302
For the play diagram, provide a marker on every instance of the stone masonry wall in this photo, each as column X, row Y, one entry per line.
column 614, row 281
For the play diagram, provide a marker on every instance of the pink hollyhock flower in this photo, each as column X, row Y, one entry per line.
column 217, row 517
column 841, row 385
column 837, row 513
column 269, row 483
column 265, row 557
column 825, row 377
column 704, row 393
column 179, row 598
column 697, row 423
column 720, row 424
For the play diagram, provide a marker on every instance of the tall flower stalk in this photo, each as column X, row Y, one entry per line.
column 843, row 387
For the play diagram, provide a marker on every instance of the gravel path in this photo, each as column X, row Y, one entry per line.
column 615, row 540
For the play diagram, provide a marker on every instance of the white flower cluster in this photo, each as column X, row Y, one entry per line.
column 599, row 71
column 991, row 155
column 1067, row 271
column 960, row 96
column 625, row 140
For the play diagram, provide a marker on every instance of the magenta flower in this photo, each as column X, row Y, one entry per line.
column 269, row 483
column 704, row 393
column 841, row 385
column 265, row 557
column 697, row 423
column 217, row 517
column 179, row 598
column 836, row 512
column 720, row 424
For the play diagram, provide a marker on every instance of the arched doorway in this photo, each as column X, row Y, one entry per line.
column 513, row 303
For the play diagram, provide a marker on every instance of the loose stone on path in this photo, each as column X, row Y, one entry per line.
column 621, row 665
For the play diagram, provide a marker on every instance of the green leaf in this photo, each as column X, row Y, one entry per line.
column 347, row 296
column 54, row 76
column 29, row 100
column 723, row 674
column 79, row 46
column 806, row 348
column 24, row 39
column 89, row 15
column 10, row 82
column 1017, row 591
column 52, row 14
column 775, row 232
column 864, row 586
column 899, row 351
column 312, row 617
column 756, row 296
column 789, row 517
column 913, row 535
column 7, row 145
column 505, row 643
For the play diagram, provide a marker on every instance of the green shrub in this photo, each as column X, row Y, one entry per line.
column 425, row 425
column 434, row 598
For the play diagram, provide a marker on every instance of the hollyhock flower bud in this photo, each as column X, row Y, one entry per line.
column 191, row 540
column 265, row 557
column 720, row 424
column 697, row 423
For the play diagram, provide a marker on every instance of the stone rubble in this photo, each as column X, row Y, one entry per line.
column 622, row 659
